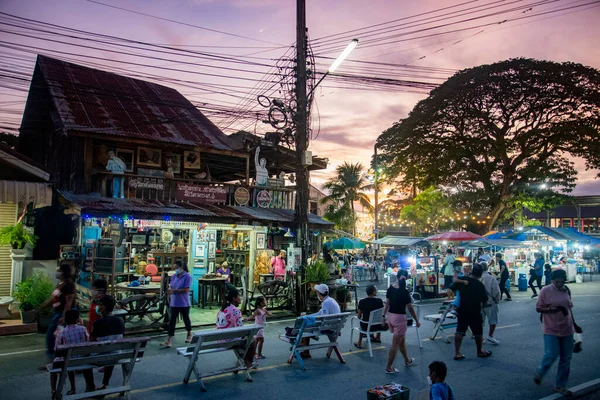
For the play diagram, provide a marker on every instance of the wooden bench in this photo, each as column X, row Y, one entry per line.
column 238, row 340
column 324, row 325
column 82, row 356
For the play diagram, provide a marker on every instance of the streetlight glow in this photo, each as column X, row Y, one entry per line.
column 343, row 56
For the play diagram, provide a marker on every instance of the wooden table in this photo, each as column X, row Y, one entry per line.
column 153, row 287
column 142, row 301
column 265, row 277
column 204, row 284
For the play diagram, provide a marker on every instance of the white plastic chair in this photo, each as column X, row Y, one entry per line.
column 375, row 318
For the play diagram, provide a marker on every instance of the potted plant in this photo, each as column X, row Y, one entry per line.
column 316, row 272
column 16, row 236
column 31, row 293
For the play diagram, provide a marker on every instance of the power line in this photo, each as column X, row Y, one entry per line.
column 182, row 23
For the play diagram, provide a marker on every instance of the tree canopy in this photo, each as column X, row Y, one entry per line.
column 498, row 130
column 347, row 186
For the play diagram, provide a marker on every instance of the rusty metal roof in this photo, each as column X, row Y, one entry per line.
column 95, row 101
column 154, row 209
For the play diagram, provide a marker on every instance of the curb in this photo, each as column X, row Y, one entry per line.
column 578, row 391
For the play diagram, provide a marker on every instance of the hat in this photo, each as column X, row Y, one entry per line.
column 322, row 288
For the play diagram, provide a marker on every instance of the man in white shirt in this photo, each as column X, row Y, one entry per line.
column 491, row 312
column 482, row 256
column 449, row 268
column 329, row 307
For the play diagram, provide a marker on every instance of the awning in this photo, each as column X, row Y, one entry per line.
column 399, row 241
column 505, row 243
column 83, row 204
column 40, row 194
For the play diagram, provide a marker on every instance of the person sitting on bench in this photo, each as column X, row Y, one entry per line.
column 329, row 307
column 105, row 329
column 73, row 333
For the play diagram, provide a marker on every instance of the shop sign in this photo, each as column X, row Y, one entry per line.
column 145, row 183
column 263, row 199
column 201, row 194
column 241, row 196
column 116, row 231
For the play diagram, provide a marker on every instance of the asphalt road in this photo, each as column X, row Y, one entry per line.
column 507, row 374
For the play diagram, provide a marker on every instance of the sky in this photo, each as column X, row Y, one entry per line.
column 347, row 120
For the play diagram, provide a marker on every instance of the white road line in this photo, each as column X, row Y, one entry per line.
column 20, row 352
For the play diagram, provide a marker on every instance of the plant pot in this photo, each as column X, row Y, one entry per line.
column 312, row 286
column 28, row 317
column 43, row 323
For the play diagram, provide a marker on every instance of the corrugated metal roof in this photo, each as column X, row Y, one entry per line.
column 95, row 101
column 107, row 205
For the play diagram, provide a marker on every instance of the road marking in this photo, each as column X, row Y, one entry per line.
column 20, row 352
column 214, row 377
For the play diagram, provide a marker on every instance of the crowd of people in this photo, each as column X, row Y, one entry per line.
column 476, row 299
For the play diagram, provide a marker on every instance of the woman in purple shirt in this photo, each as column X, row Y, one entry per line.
column 180, row 302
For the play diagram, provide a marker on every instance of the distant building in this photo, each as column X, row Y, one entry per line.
column 314, row 201
column 582, row 212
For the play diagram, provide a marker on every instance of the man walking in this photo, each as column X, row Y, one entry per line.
column 536, row 273
column 491, row 311
column 472, row 296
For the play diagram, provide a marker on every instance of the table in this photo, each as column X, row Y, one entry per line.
column 143, row 301
column 204, row 284
column 265, row 277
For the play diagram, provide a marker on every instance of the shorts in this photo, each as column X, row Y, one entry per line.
column 374, row 328
column 475, row 322
column 491, row 313
column 397, row 324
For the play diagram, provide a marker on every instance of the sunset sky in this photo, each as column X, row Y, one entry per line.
column 347, row 118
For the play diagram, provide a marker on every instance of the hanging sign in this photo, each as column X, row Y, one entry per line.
column 263, row 199
column 116, row 231
column 201, row 194
column 241, row 196
column 146, row 183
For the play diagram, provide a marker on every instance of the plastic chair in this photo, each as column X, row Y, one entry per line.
column 375, row 318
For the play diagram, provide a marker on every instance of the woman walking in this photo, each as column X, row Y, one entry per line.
column 504, row 275
column 394, row 315
column 179, row 289
column 554, row 304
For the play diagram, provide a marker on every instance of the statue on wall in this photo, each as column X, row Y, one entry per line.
column 260, row 164
column 117, row 167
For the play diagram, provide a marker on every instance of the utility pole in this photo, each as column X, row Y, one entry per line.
column 301, row 138
column 376, row 224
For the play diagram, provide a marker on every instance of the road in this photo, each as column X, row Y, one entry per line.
column 507, row 374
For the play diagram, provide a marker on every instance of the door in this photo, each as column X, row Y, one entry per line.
column 8, row 216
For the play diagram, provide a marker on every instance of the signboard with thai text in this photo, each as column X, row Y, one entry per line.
column 201, row 194
column 146, row 183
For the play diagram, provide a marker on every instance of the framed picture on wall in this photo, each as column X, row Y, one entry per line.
column 127, row 156
column 261, row 238
column 191, row 160
column 176, row 163
column 212, row 247
column 149, row 157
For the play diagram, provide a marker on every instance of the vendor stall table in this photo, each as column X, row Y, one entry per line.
column 212, row 284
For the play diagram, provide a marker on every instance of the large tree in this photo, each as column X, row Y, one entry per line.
column 427, row 212
column 347, row 186
column 499, row 130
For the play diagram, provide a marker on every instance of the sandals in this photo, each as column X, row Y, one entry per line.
column 188, row 340
column 411, row 362
column 165, row 344
column 564, row 391
column 71, row 392
column 484, row 354
column 357, row 346
column 458, row 358
column 374, row 340
column 393, row 371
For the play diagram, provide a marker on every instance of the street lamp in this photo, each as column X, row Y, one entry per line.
column 339, row 60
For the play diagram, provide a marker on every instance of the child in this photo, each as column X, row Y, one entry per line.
column 73, row 333
column 548, row 274
column 260, row 317
column 439, row 390
column 98, row 291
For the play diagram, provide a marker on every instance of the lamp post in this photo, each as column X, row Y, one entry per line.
column 303, row 157
column 338, row 61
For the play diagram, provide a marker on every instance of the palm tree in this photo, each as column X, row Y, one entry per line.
column 347, row 187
